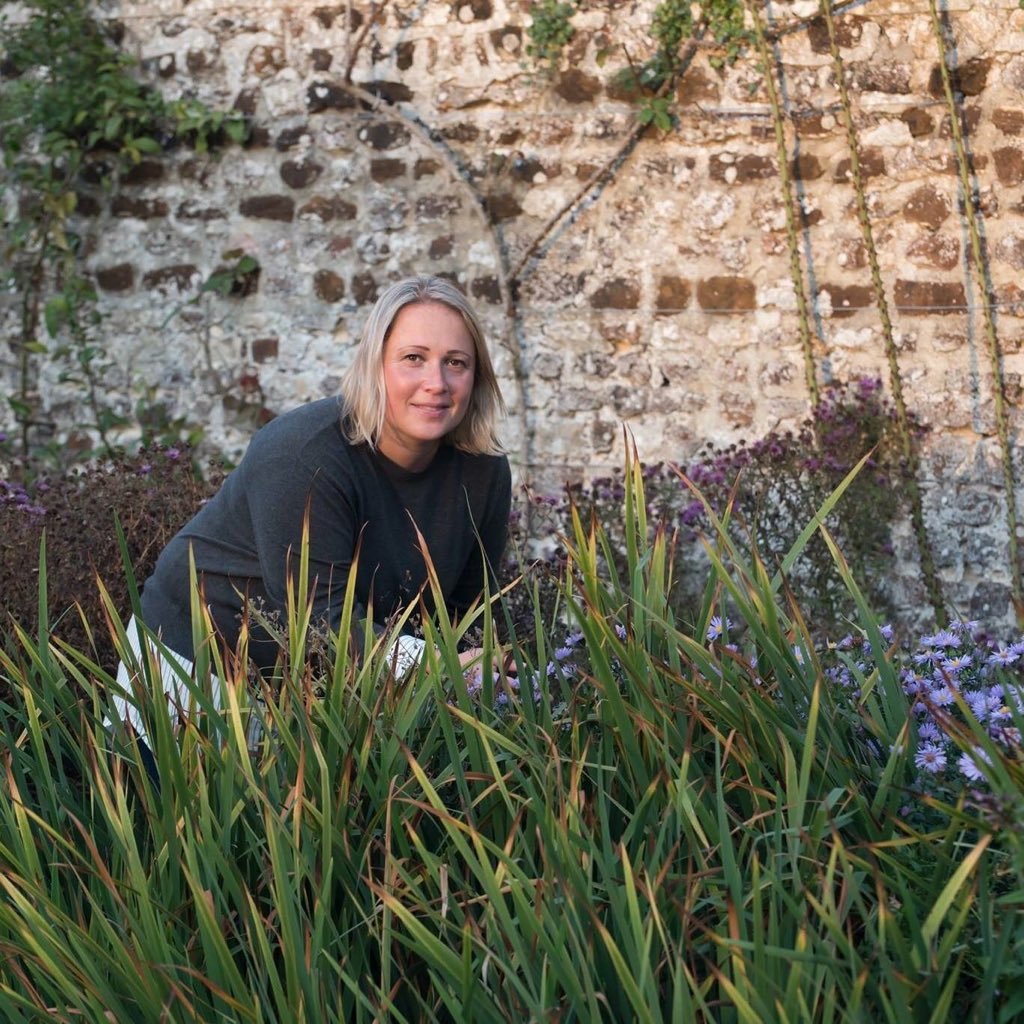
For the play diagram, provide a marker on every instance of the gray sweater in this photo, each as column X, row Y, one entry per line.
column 246, row 539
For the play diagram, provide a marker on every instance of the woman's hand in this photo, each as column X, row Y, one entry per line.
column 471, row 660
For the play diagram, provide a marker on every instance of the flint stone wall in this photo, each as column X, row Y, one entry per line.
column 663, row 302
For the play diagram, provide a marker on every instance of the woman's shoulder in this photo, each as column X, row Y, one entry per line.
column 495, row 466
column 294, row 430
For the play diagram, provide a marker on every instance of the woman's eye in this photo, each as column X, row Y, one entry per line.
column 460, row 364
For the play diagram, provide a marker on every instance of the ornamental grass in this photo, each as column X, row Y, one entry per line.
column 649, row 823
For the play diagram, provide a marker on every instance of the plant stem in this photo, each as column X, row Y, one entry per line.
column 792, row 235
column 910, row 456
column 972, row 213
column 29, row 325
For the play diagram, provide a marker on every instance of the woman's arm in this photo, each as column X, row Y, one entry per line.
column 491, row 536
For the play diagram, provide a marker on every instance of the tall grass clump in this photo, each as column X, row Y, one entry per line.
column 660, row 818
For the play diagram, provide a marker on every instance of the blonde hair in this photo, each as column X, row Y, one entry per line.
column 364, row 400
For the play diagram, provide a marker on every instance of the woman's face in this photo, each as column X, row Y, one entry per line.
column 429, row 369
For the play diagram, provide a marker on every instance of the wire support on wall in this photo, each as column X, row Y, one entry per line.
column 978, row 268
column 841, row 314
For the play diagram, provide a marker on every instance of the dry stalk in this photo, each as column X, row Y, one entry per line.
column 909, row 451
column 792, row 234
column 978, row 265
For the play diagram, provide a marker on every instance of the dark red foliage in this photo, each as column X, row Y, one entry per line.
column 153, row 494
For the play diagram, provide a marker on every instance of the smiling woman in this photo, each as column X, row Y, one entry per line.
column 429, row 361
column 409, row 448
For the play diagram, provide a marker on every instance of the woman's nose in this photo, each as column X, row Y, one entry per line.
column 436, row 379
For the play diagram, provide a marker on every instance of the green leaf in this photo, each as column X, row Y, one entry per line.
column 219, row 282
column 237, row 130
column 55, row 314
column 145, row 144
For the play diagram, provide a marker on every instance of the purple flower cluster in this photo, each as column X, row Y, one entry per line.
column 13, row 495
column 568, row 667
column 956, row 682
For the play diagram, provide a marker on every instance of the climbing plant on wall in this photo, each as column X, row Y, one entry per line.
column 71, row 107
column 724, row 28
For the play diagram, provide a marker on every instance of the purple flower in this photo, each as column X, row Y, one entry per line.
column 1007, row 735
column 929, row 732
column 1003, row 656
column 944, row 638
column 965, row 627
column 956, row 664
column 969, row 764
column 173, row 454
column 691, row 514
column 984, row 704
column 931, row 758
column 717, row 627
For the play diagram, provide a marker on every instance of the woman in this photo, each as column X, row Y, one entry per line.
column 409, row 446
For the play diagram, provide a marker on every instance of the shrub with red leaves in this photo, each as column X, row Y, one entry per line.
column 153, row 493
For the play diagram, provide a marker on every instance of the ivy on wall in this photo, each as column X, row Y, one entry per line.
column 70, row 104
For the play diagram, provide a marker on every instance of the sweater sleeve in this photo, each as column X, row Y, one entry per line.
column 491, row 535
column 288, row 490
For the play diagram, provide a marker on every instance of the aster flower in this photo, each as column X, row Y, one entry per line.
column 983, row 704
column 942, row 696
column 965, row 627
column 956, row 663
column 931, row 757
column 914, row 682
column 944, row 638
column 929, row 732
column 1002, row 656
column 969, row 764
column 1007, row 735
column 717, row 626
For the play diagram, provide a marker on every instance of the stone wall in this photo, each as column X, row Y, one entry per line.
column 660, row 297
